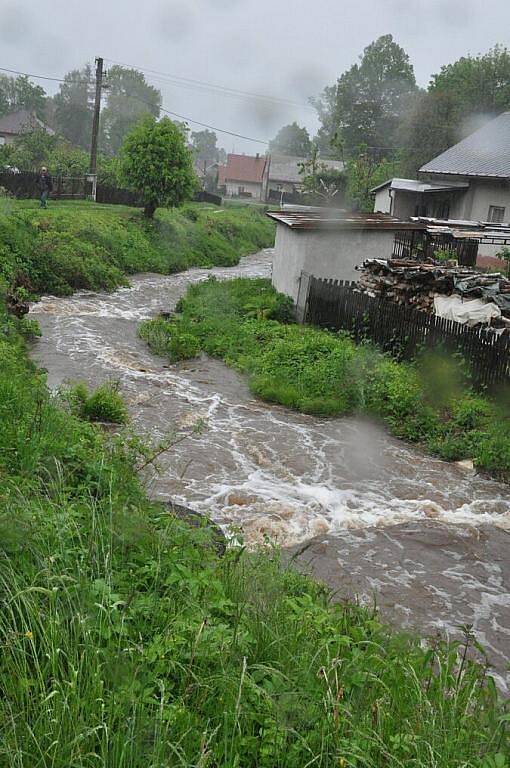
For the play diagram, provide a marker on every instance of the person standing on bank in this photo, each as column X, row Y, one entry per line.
column 44, row 185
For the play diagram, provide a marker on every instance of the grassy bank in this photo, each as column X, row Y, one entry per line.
column 246, row 323
column 127, row 642
column 83, row 245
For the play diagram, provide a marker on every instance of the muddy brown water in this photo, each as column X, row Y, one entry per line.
column 428, row 540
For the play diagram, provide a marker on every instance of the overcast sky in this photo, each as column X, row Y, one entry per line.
column 280, row 49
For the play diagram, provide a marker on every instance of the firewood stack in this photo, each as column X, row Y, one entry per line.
column 409, row 283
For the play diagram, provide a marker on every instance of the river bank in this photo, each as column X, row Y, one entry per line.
column 143, row 644
column 277, row 473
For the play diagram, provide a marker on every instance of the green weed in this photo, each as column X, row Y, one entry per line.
column 247, row 324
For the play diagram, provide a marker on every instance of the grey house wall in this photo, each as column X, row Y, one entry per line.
column 329, row 254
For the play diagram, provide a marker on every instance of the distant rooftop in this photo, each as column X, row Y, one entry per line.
column 22, row 121
column 485, row 153
column 413, row 185
column 286, row 167
column 243, row 168
column 327, row 219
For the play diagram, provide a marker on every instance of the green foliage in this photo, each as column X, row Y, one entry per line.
column 363, row 174
column 292, row 140
column 157, row 162
column 129, row 98
column 18, row 93
column 73, row 246
column 319, row 181
column 128, row 642
column 104, row 404
column 73, row 107
column 428, row 402
column 369, row 100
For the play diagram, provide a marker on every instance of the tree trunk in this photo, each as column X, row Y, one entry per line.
column 149, row 210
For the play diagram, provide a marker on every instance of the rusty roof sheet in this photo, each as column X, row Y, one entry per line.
column 331, row 220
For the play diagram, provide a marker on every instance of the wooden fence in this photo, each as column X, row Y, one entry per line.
column 23, row 185
column 405, row 332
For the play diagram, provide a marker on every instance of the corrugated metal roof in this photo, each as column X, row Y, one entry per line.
column 413, row 185
column 327, row 219
column 245, row 168
column 22, row 121
column 485, row 153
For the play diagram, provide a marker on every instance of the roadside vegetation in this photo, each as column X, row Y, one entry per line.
column 80, row 245
column 127, row 641
column 247, row 324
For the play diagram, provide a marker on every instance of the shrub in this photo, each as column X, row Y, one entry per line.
column 104, row 404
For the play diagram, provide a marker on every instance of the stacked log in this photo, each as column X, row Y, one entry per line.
column 409, row 283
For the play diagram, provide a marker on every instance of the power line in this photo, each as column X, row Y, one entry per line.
column 233, row 91
column 160, row 106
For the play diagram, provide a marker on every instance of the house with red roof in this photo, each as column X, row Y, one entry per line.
column 244, row 176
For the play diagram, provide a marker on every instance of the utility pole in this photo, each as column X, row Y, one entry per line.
column 95, row 127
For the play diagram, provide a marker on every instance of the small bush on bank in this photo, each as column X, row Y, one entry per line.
column 104, row 404
column 326, row 374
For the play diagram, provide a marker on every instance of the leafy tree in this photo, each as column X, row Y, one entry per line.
column 292, row 140
column 478, row 83
column 319, row 181
column 367, row 102
column 73, row 107
column 156, row 161
column 129, row 97
column 31, row 150
column 461, row 92
column 205, row 147
column 19, row 93
column 429, row 129
column 364, row 172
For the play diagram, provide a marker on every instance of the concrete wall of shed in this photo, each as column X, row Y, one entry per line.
column 329, row 254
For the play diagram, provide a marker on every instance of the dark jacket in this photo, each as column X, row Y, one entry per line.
column 44, row 182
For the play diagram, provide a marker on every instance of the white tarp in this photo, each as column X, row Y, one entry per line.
column 470, row 312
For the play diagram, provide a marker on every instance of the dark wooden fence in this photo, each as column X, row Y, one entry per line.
column 405, row 332
column 419, row 246
column 23, row 185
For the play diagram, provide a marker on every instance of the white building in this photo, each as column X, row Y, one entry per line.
column 468, row 182
column 323, row 244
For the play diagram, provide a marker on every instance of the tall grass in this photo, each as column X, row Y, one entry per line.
column 68, row 247
column 126, row 641
column 247, row 324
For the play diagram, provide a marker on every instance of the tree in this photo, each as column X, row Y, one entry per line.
column 19, row 93
column 155, row 160
column 73, row 107
column 368, row 101
column 129, row 97
column 478, row 83
column 31, row 150
column 205, row 147
column 292, row 140
column 471, row 89
column 364, row 171
column 319, row 181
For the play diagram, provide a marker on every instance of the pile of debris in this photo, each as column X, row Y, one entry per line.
column 415, row 284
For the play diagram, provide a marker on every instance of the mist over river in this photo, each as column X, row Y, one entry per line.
column 429, row 540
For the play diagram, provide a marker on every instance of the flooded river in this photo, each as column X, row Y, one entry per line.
column 429, row 540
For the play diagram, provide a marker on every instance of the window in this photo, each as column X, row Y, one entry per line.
column 496, row 214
